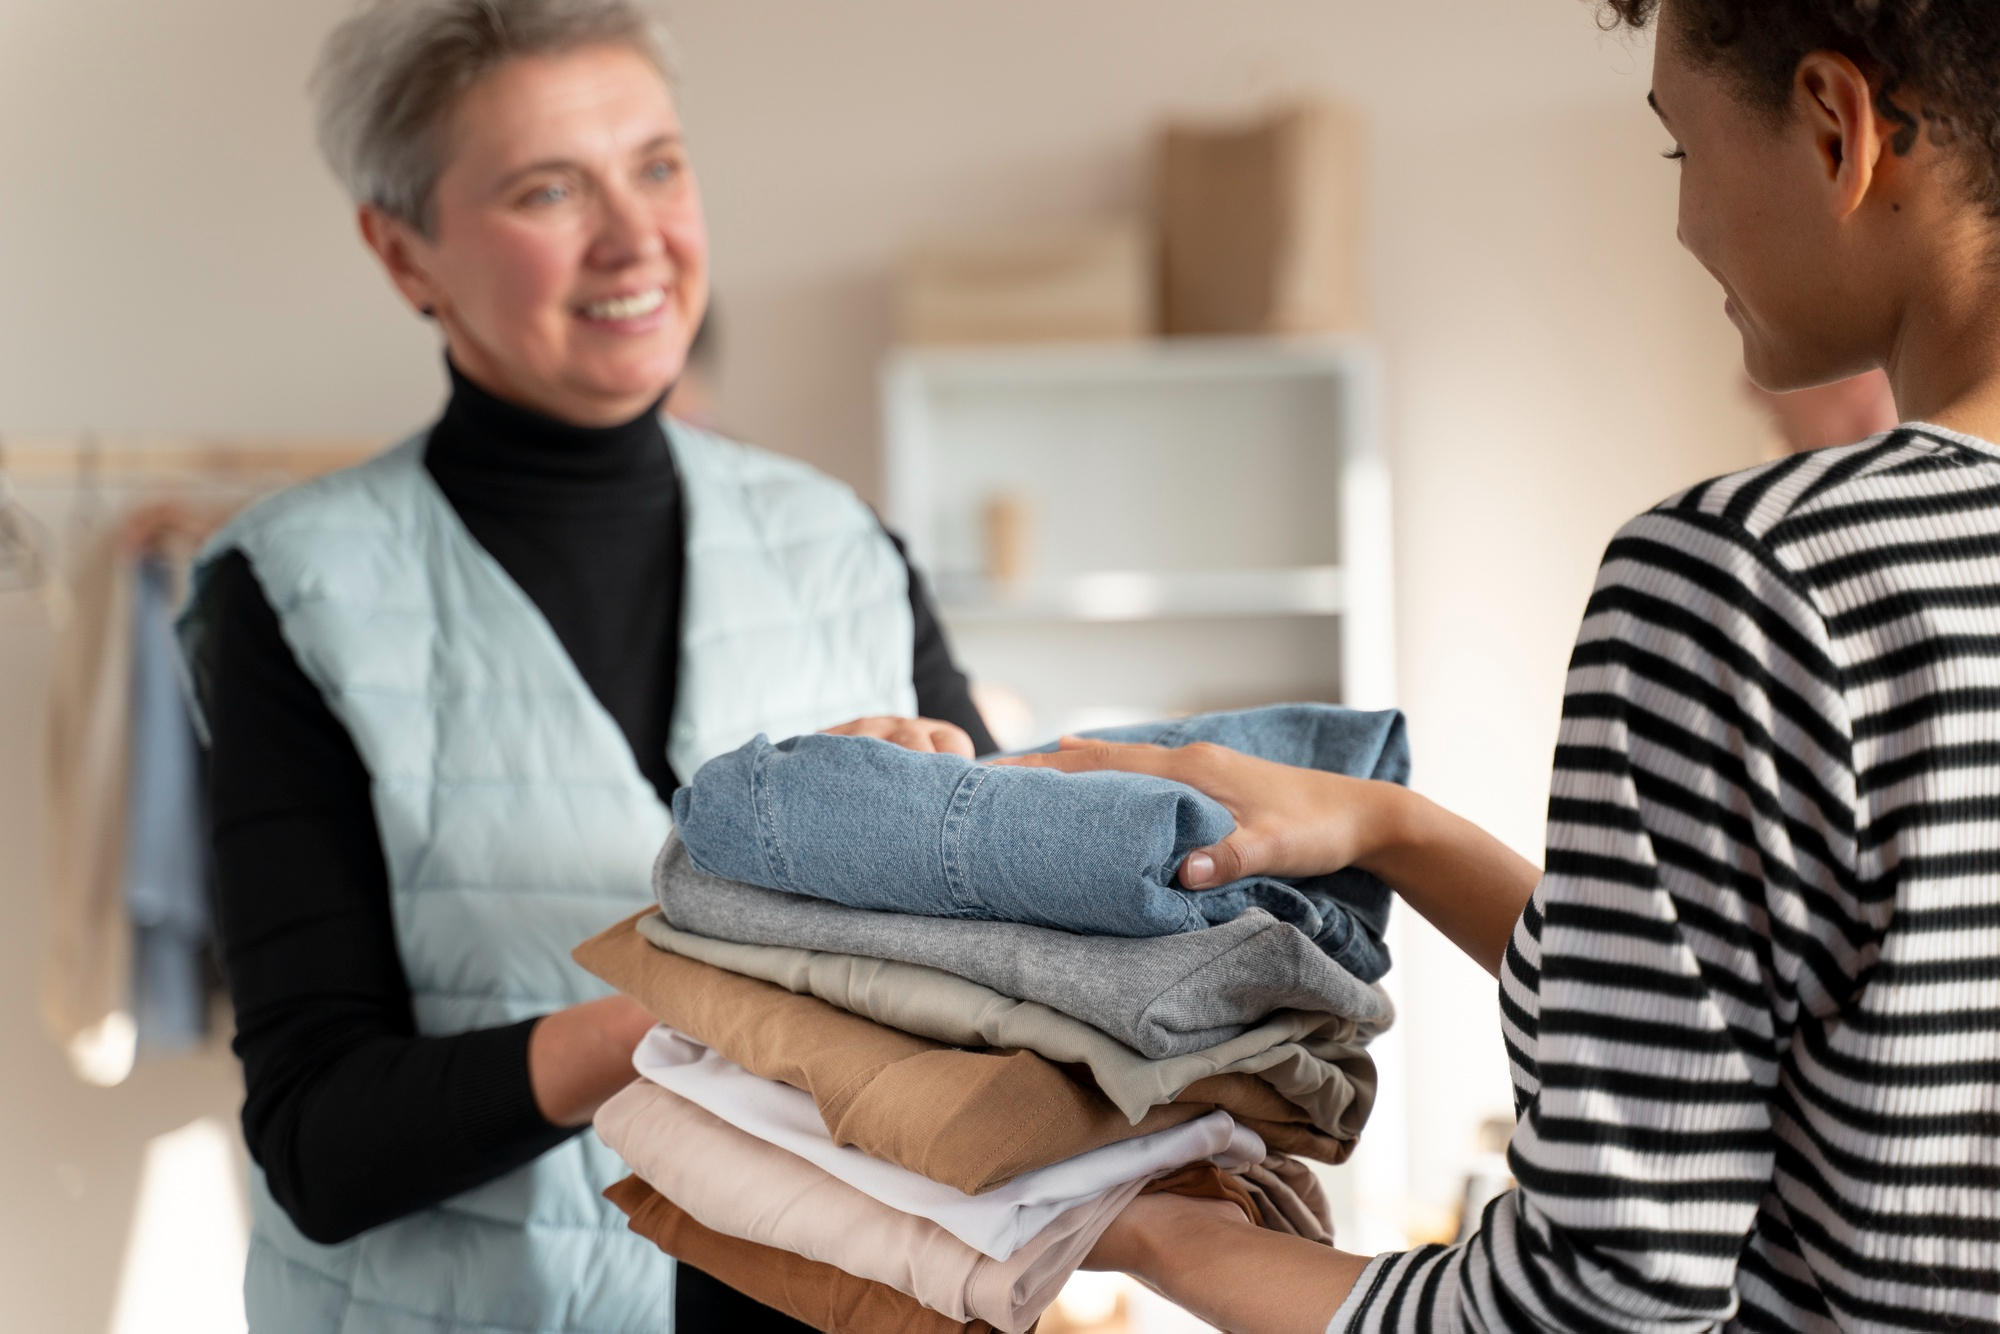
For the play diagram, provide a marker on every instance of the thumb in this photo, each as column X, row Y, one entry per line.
column 1205, row 868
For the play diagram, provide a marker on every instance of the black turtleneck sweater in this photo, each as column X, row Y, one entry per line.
column 355, row 1119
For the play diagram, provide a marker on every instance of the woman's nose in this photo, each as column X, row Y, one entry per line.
column 627, row 231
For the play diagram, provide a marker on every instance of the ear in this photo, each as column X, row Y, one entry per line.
column 401, row 249
column 1851, row 138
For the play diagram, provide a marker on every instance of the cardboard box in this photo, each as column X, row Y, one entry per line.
column 1260, row 225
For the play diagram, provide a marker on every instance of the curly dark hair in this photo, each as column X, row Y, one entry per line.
column 1937, row 61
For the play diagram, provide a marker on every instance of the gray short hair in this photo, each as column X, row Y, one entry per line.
column 389, row 77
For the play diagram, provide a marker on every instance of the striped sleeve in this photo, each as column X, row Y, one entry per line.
column 1699, row 866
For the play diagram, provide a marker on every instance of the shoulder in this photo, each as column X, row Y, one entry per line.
column 771, row 488
column 1809, row 521
column 371, row 494
column 1833, row 498
column 696, row 450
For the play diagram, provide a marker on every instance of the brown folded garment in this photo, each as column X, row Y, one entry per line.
column 1288, row 1198
column 968, row 1119
column 822, row 1296
column 1204, row 1181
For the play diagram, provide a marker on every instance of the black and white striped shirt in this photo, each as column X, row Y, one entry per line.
column 1754, row 1006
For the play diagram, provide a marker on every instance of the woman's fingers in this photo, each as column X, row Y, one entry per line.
column 928, row 735
column 948, row 738
column 1080, row 755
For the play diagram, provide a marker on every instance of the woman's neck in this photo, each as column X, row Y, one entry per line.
column 489, row 452
column 1944, row 358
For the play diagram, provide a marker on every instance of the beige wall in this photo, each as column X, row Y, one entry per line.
column 172, row 257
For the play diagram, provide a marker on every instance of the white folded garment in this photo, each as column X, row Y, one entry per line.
column 995, row 1223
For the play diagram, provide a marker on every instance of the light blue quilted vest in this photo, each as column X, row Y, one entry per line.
column 516, row 823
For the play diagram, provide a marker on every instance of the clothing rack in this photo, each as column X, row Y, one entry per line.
column 182, row 486
column 142, row 460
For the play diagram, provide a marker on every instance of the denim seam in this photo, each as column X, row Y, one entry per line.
column 767, row 819
column 1193, row 918
column 951, row 839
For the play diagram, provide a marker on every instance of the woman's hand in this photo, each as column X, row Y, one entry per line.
column 579, row 1057
column 1231, row 1273
column 1288, row 821
column 929, row 735
column 1299, row 822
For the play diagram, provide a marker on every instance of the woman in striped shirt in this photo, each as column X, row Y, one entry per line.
column 1753, row 1001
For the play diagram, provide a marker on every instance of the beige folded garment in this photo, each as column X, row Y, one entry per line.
column 828, row 1299
column 736, row 1184
column 969, row 1119
column 1288, row 1198
column 1316, row 1061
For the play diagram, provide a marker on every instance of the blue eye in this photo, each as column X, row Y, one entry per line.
column 549, row 194
column 660, row 172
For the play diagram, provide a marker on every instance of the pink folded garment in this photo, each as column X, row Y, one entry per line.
column 740, row 1186
column 993, row 1222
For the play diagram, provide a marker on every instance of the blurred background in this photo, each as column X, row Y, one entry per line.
column 1207, row 353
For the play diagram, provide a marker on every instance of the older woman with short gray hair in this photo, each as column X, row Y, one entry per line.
column 448, row 692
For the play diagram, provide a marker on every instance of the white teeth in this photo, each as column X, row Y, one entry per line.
column 627, row 307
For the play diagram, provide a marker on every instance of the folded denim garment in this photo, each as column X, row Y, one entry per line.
column 820, row 1295
column 736, row 1184
column 1163, row 996
column 969, row 1119
column 1315, row 1060
column 871, row 825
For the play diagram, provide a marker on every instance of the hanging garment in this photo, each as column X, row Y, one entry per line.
column 1162, row 996
column 1317, row 1061
column 125, row 847
column 995, row 1223
column 969, row 1119
column 869, row 824
column 166, row 887
column 89, row 750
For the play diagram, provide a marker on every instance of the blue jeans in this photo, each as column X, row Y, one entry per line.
column 871, row 825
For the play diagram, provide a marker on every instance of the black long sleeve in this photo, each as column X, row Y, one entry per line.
column 354, row 1118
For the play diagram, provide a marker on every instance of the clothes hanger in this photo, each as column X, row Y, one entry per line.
column 88, row 508
column 24, row 541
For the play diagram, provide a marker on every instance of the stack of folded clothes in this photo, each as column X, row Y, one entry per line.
column 928, row 1025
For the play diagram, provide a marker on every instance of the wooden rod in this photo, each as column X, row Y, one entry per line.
column 113, row 459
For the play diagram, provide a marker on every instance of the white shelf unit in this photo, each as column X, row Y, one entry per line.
column 1210, row 519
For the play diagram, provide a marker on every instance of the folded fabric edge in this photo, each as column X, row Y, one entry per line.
column 602, row 953
column 1372, row 1025
column 1336, row 1052
column 771, row 1276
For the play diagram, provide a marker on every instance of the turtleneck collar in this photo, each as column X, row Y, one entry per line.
column 492, row 454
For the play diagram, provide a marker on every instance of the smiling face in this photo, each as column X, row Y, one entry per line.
column 1757, row 209
column 568, row 260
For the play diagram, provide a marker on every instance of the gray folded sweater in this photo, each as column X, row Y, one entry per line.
column 1161, row 995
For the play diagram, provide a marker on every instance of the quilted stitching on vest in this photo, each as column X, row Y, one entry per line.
column 516, row 823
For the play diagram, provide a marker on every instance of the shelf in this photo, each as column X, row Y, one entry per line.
column 1140, row 595
column 1177, row 360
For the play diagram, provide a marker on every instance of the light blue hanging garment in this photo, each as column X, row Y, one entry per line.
column 166, row 859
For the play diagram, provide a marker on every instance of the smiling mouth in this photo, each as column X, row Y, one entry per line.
column 629, row 307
